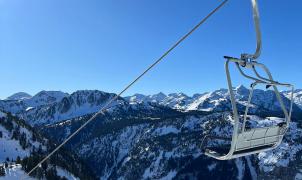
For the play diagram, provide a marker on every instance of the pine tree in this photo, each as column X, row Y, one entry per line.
column 44, row 166
column 18, row 160
column 39, row 173
column 51, row 174
column 2, row 171
column 23, row 140
column 33, row 138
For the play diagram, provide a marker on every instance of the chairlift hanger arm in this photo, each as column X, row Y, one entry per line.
column 256, row 18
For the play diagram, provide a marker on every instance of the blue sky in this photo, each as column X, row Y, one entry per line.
column 71, row 44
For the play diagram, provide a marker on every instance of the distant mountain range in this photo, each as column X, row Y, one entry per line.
column 159, row 136
column 49, row 107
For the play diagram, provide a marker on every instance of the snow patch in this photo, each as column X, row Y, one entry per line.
column 211, row 167
column 63, row 173
column 29, row 108
column 241, row 168
column 169, row 176
column 166, row 130
column 298, row 176
column 2, row 114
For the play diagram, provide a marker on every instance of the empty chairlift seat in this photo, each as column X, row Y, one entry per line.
column 254, row 140
column 245, row 142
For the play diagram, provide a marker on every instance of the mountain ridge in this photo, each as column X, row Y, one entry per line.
column 48, row 107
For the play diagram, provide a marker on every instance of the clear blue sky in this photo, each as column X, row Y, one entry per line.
column 103, row 44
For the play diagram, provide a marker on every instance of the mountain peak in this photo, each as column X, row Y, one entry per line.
column 45, row 97
column 50, row 93
column 178, row 95
column 158, row 96
column 19, row 96
column 242, row 89
column 136, row 98
column 86, row 92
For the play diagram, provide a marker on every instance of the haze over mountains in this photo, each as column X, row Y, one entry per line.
column 158, row 136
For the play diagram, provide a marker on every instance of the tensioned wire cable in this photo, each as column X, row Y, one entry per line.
column 105, row 107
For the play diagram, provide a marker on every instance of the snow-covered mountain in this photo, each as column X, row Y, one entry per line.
column 297, row 96
column 17, row 103
column 217, row 100
column 19, row 96
column 49, row 107
column 159, row 136
column 77, row 104
column 45, row 98
column 174, row 100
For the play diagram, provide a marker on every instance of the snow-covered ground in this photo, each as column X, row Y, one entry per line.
column 299, row 175
column 10, row 148
column 14, row 172
column 63, row 173
column 2, row 114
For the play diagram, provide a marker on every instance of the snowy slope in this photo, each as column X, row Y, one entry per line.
column 10, row 144
column 63, row 173
column 133, row 146
column 20, row 143
column 14, row 172
column 10, row 148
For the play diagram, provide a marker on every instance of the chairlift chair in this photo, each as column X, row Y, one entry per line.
column 254, row 140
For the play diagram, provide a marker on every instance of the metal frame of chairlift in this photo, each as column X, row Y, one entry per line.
column 255, row 140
